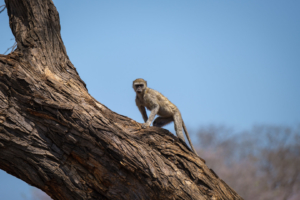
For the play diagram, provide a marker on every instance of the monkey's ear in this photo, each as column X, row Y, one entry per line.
column 146, row 83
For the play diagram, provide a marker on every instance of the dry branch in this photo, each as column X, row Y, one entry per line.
column 55, row 136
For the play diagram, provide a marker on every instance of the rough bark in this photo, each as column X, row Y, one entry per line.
column 55, row 136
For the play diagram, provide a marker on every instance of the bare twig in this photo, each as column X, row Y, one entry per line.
column 4, row 6
column 12, row 48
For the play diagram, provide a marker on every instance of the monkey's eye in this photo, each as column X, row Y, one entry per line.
column 137, row 86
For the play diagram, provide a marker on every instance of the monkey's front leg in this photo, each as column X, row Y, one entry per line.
column 143, row 112
column 154, row 111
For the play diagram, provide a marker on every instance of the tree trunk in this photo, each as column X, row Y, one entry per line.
column 56, row 137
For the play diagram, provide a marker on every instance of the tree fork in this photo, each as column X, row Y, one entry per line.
column 56, row 137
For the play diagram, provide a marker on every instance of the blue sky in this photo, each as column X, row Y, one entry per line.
column 223, row 62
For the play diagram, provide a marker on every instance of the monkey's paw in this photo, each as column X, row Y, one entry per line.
column 144, row 125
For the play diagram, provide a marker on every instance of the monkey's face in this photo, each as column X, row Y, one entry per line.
column 139, row 88
column 139, row 85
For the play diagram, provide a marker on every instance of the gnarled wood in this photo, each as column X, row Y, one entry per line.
column 55, row 136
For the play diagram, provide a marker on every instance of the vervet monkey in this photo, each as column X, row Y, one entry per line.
column 158, row 104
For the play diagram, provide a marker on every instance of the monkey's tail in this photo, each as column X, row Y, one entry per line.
column 188, row 137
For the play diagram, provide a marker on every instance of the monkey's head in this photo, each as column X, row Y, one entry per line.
column 139, row 85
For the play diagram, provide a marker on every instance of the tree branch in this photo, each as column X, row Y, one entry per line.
column 55, row 136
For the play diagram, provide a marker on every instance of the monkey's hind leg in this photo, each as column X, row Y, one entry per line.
column 178, row 126
column 162, row 121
